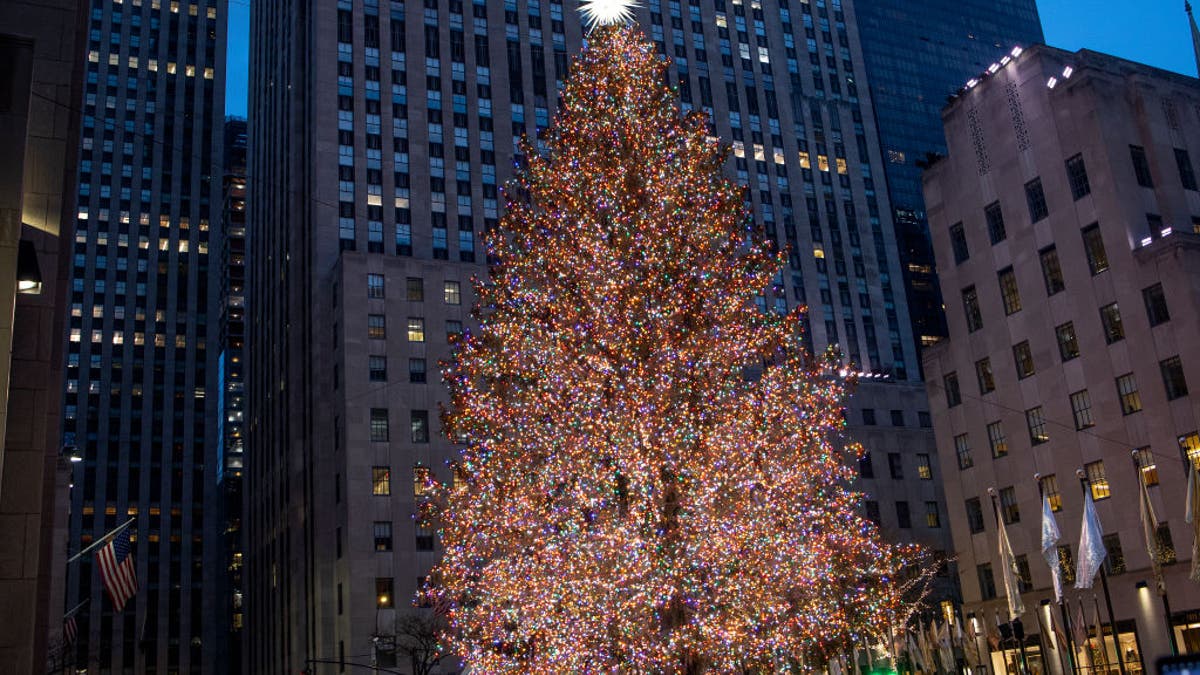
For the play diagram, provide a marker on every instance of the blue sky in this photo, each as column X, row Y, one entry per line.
column 1154, row 32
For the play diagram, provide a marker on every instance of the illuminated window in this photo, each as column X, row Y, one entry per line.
column 933, row 517
column 1145, row 462
column 416, row 329
column 385, row 597
column 1189, row 445
column 381, row 480
column 924, row 468
column 1098, row 480
column 452, row 293
column 1050, row 490
column 997, row 440
column 1036, row 422
column 376, row 326
column 420, row 481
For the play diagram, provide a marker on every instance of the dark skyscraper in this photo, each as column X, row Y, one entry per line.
column 917, row 54
column 379, row 135
column 144, row 330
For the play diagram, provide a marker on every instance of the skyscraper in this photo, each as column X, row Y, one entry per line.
column 40, row 81
column 1066, row 220
column 144, row 326
column 231, row 401
column 380, row 133
column 918, row 54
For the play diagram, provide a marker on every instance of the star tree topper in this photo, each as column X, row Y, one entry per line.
column 606, row 12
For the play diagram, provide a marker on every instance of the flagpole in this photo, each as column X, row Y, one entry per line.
column 1013, row 624
column 102, row 540
column 71, row 612
column 1085, row 485
column 1159, row 582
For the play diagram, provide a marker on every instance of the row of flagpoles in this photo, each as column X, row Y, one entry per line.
column 931, row 648
column 112, row 555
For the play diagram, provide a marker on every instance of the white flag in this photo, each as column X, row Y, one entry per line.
column 1091, row 544
column 1193, row 518
column 1050, row 537
column 1150, row 533
column 1009, row 572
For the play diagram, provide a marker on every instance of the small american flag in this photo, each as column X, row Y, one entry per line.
column 70, row 629
column 117, row 570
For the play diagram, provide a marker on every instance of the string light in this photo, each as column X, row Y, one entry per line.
column 630, row 498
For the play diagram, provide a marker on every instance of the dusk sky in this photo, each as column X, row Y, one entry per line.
column 1154, row 32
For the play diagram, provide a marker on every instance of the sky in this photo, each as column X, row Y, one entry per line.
column 1154, row 32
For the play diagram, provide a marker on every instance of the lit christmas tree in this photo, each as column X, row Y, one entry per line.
column 654, row 479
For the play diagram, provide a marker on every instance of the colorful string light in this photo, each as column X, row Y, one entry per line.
column 655, row 478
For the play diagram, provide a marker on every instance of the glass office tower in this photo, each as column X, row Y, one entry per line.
column 918, row 54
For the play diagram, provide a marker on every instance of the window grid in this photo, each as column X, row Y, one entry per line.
column 974, row 515
column 970, row 300
column 997, row 440
column 1081, row 409
column 1146, row 465
column 1036, row 422
column 1009, row 292
column 381, row 480
column 1093, row 246
column 1077, row 177
column 983, row 371
column 1035, row 198
column 1023, row 359
column 962, row 449
column 1068, row 343
column 1010, row 510
column 1127, row 392
column 1173, row 379
column 1050, row 491
column 1051, row 270
column 1097, row 480
column 1110, row 320
column 995, row 222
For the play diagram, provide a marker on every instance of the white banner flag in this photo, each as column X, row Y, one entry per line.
column 1091, row 544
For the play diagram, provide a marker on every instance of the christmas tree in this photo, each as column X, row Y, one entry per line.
column 654, row 478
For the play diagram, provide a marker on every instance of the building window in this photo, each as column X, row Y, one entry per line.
column 377, row 367
column 381, row 480
column 897, row 418
column 385, row 597
column 970, row 301
column 1110, row 320
column 953, row 396
column 1051, row 270
column 872, row 510
column 868, row 416
column 379, row 424
column 1081, row 408
column 416, row 329
column 383, row 535
column 375, row 286
column 903, row 517
column 416, row 370
column 932, row 517
column 1066, row 564
column 1172, row 374
column 896, row 466
column 1009, row 509
column 997, row 440
column 1127, row 391
column 1156, row 304
column 924, row 420
column 419, row 423
column 958, row 240
column 1050, row 491
column 1024, row 576
column 415, row 289
column 983, row 371
column 866, row 468
column 1166, row 545
column 1189, row 445
column 987, row 583
column 974, row 515
column 1093, row 246
column 924, row 468
column 452, row 293
column 1036, row 422
column 1098, row 480
column 1009, row 291
column 1141, row 166
column 995, row 222
column 1077, row 177
column 426, row 540
column 1068, row 344
column 1145, row 462
column 1023, row 358
column 453, row 329
column 1036, row 199
column 1187, row 177
column 962, row 449
column 376, row 326
column 421, row 481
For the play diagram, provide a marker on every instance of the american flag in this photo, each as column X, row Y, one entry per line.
column 117, row 570
column 70, row 629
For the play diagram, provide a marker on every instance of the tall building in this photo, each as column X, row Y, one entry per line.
column 917, row 54
column 1065, row 221
column 40, row 80
column 231, row 402
column 360, row 263
column 143, row 330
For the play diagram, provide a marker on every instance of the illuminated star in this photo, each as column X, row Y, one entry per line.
column 605, row 12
